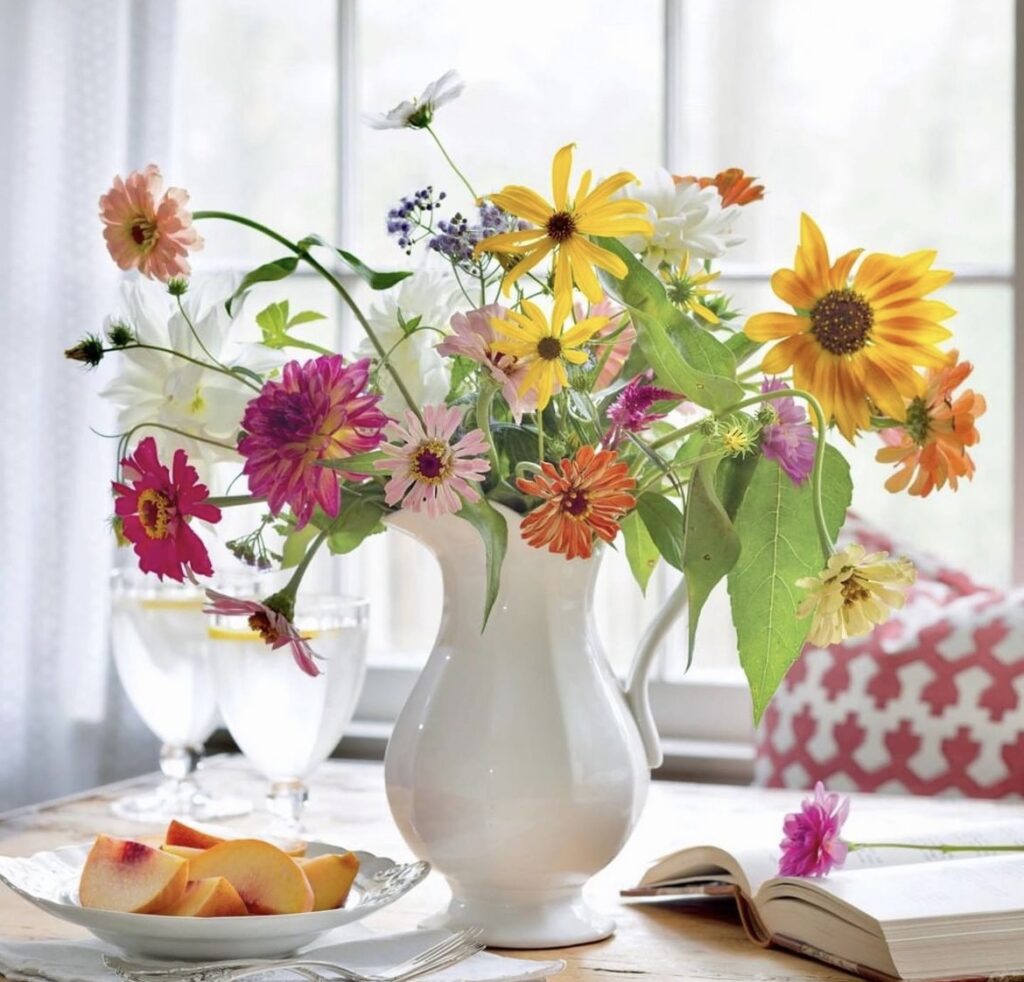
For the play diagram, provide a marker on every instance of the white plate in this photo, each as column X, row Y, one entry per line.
column 50, row 881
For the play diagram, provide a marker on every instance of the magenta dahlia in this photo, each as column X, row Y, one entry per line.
column 811, row 845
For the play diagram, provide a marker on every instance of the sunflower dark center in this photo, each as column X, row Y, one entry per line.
column 575, row 503
column 549, row 348
column 561, row 226
column 841, row 321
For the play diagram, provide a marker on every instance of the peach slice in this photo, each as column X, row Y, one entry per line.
column 214, row 897
column 128, row 876
column 267, row 879
column 182, row 852
column 180, row 834
column 331, row 877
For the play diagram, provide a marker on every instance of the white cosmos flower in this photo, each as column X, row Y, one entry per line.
column 430, row 296
column 417, row 113
column 152, row 387
column 686, row 219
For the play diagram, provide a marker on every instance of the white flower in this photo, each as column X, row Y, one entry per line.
column 419, row 112
column 685, row 217
column 424, row 304
column 153, row 387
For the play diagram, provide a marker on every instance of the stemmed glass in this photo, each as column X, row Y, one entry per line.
column 161, row 652
column 284, row 721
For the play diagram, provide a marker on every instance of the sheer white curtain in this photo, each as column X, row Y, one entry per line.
column 85, row 92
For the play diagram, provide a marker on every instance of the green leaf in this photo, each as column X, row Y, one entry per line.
column 779, row 539
column 732, row 480
column 267, row 273
column 742, row 347
column 357, row 463
column 305, row 316
column 665, row 525
column 295, row 545
column 641, row 552
column 376, row 280
column 493, row 529
column 710, row 544
column 359, row 519
column 272, row 320
column 685, row 358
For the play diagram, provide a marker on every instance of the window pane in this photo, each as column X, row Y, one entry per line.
column 891, row 123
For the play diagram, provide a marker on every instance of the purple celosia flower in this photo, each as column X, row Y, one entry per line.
column 790, row 440
column 631, row 409
column 812, row 846
column 317, row 411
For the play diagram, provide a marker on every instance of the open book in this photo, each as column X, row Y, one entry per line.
column 887, row 914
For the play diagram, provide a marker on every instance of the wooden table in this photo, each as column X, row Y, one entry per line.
column 348, row 799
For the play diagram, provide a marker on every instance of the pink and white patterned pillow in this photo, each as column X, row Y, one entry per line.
column 931, row 703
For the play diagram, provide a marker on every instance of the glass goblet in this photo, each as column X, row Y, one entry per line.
column 161, row 652
column 285, row 721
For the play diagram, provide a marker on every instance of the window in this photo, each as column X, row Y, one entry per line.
column 864, row 124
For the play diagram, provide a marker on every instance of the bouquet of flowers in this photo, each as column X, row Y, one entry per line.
column 568, row 357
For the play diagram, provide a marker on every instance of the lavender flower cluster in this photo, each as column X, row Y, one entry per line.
column 412, row 213
column 457, row 238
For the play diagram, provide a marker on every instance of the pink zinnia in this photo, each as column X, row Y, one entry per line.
column 812, row 846
column 427, row 471
column 147, row 232
column 617, row 317
column 271, row 625
column 473, row 338
column 155, row 509
column 317, row 411
column 790, row 440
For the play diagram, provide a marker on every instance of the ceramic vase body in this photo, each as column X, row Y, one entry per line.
column 516, row 768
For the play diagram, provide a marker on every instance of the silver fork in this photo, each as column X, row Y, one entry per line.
column 445, row 953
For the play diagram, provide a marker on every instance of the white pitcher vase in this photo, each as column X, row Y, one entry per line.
column 519, row 765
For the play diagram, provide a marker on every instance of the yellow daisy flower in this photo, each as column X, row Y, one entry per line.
column 688, row 290
column 855, row 346
column 562, row 228
column 853, row 593
column 544, row 347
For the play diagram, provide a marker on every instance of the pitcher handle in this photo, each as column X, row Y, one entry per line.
column 637, row 695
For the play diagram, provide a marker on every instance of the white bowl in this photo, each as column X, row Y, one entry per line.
column 50, row 881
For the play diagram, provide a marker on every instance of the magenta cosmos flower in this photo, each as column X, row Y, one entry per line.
column 812, row 846
column 155, row 507
column 145, row 231
column 473, row 339
column 271, row 625
column 317, row 411
column 790, row 440
column 428, row 472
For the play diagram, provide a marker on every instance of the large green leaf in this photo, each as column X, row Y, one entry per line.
column 493, row 529
column 377, row 280
column 665, row 525
column 685, row 358
column 357, row 463
column 267, row 273
column 741, row 346
column 359, row 519
column 641, row 552
column 296, row 544
column 710, row 544
column 732, row 480
column 779, row 540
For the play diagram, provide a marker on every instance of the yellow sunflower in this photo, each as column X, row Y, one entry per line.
column 563, row 228
column 542, row 346
column 855, row 345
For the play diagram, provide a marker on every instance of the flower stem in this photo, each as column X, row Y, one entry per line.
column 483, row 420
column 195, row 334
column 451, row 163
column 233, row 500
column 179, row 354
column 334, row 281
column 291, row 588
column 932, row 847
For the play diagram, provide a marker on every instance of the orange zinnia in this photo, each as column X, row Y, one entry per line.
column 933, row 442
column 587, row 496
column 734, row 187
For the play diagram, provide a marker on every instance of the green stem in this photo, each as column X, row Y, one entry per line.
column 676, row 435
column 333, row 280
column 483, row 420
column 307, row 345
column 179, row 354
column 291, row 589
column 539, row 419
column 195, row 334
column 233, row 500
column 933, row 847
column 451, row 163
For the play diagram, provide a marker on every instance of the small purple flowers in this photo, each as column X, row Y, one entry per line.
column 457, row 238
column 811, row 845
column 631, row 409
column 413, row 213
column 789, row 440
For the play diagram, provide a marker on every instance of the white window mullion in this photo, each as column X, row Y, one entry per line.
column 1018, row 299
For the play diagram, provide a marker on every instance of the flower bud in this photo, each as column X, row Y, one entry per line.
column 88, row 351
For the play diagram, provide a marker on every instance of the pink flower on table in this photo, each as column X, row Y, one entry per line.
column 473, row 338
column 317, row 411
column 617, row 317
column 790, row 440
column 631, row 411
column 812, row 846
column 155, row 506
column 428, row 472
column 271, row 625
column 145, row 231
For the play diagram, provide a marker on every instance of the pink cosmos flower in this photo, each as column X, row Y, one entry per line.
column 789, row 441
column 617, row 317
column 317, row 411
column 273, row 627
column 473, row 338
column 147, row 232
column 427, row 470
column 631, row 409
column 812, row 846
column 155, row 509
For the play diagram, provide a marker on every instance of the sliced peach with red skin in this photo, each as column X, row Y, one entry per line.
column 331, row 877
column 128, row 876
column 182, row 852
column 180, row 834
column 267, row 879
column 214, row 897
